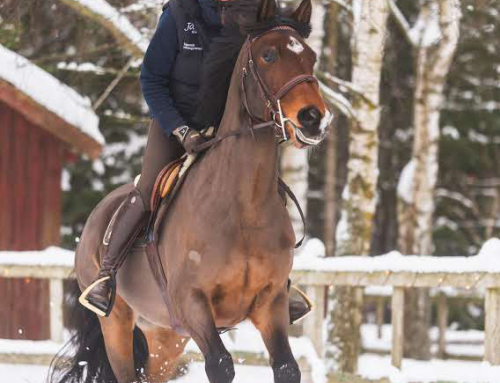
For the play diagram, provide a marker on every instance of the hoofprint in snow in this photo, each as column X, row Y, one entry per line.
column 49, row 92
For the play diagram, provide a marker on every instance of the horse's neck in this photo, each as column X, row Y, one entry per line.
column 251, row 160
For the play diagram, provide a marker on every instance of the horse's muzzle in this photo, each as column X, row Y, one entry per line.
column 313, row 125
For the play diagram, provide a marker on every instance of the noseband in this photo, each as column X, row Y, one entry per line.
column 271, row 100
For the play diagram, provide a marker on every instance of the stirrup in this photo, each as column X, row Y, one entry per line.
column 309, row 303
column 92, row 307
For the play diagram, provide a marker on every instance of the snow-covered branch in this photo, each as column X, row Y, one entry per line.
column 402, row 22
column 112, row 20
column 337, row 100
column 349, row 86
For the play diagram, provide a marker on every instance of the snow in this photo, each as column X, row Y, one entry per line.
column 51, row 256
column 468, row 343
column 376, row 367
column 49, row 92
column 40, row 347
column 121, row 22
column 405, row 184
column 370, row 366
column 488, row 260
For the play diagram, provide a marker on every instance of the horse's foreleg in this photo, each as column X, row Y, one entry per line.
column 165, row 348
column 272, row 320
column 200, row 324
column 118, row 330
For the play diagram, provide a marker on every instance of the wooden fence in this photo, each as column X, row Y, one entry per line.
column 324, row 273
column 331, row 272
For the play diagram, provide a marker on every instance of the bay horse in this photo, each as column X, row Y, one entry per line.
column 227, row 256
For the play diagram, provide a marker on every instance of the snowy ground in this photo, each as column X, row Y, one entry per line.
column 371, row 366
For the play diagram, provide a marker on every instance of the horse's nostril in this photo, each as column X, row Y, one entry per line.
column 309, row 116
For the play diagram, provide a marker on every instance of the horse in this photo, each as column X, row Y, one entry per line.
column 227, row 256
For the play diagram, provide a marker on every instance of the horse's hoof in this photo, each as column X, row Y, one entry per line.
column 287, row 373
column 219, row 369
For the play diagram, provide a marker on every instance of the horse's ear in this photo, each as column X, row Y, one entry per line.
column 267, row 10
column 303, row 13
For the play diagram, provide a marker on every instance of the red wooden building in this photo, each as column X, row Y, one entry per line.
column 42, row 123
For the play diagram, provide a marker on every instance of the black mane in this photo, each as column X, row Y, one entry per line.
column 223, row 53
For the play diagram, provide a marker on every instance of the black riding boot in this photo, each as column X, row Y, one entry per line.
column 298, row 309
column 100, row 295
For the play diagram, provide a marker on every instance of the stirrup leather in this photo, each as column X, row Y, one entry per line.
column 89, row 305
column 309, row 303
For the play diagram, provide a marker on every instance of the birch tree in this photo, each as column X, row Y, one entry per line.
column 434, row 39
column 294, row 162
column 328, row 64
column 358, row 199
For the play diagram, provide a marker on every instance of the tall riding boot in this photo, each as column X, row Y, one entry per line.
column 129, row 218
column 298, row 309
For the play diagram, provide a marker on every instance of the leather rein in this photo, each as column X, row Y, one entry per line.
column 272, row 102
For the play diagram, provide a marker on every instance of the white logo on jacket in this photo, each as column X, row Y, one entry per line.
column 190, row 27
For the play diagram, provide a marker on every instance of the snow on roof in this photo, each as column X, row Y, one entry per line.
column 488, row 260
column 51, row 256
column 50, row 93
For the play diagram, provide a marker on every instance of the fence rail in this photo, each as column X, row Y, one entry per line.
column 316, row 274
column 324, row 273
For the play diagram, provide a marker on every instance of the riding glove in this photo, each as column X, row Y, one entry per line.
column 189, row 138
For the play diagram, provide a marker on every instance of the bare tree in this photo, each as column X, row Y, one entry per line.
column 359, row 196
column 434, row 39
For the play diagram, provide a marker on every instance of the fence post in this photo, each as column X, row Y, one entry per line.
column 442, row 319
column 380, row 315
column 56, row 310
column 397, row 315
column 313, row 323
column 492, row 326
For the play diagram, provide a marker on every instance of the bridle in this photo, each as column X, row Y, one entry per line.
column 272, row 100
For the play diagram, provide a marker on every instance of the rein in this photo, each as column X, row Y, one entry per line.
column 273, row 103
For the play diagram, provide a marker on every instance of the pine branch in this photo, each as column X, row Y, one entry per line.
column 117, row 24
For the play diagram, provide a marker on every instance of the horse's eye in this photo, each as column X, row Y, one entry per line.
column 270, row 55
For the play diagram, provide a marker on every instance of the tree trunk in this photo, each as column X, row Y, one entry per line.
column 294, row 162
column 418, row 181
column 328, row 63
column 359, row 196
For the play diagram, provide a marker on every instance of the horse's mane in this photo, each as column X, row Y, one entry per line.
column 223, row 53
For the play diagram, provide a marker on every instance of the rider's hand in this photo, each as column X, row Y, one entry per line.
column 189, row 138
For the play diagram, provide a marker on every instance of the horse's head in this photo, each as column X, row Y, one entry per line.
column 279, row 71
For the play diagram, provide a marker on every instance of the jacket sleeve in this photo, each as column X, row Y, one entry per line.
column 155, row 72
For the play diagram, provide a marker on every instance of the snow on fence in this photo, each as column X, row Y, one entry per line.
column 316, row 273
column 402, row 272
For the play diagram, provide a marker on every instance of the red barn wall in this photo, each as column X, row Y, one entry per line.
column 30, row 214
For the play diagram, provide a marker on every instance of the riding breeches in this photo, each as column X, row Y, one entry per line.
column 160, row 151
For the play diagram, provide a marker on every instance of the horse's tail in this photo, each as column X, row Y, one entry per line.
column 83, row 359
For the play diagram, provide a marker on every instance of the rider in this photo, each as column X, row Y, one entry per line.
column 170, row 79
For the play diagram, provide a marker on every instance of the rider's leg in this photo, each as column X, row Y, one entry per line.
column 160, row 151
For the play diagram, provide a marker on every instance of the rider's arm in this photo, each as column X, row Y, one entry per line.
column 158, row 63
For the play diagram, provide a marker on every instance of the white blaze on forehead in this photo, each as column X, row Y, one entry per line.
column 295, row 46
